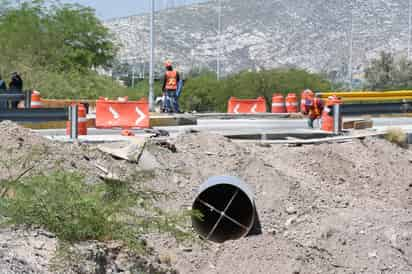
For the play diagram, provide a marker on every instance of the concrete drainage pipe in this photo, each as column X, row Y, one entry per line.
column 228, row 209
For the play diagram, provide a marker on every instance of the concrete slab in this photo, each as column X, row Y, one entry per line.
column 248, row 115
column 96, row 139
column 172, row 120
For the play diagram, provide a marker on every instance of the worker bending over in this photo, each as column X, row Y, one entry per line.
column 170, row 85
column 313, row 107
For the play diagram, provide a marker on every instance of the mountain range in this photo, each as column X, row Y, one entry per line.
column 317, row 35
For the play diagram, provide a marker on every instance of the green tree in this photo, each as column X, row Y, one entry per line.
column 387, row 72
column 53, row 36
column 205, row 93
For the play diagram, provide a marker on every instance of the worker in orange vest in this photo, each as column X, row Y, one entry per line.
column 313, row 107
column 170, row 84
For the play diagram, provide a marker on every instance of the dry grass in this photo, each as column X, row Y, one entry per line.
column 397, row 136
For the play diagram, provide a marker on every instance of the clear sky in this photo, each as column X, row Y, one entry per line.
column 107, row 9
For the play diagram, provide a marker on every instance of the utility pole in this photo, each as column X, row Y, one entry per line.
column 350, row 76
column 133, row 73
column 409, row 29
column 219, row 39
column 152, row 45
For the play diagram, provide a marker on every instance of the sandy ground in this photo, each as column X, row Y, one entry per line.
column 330, row 208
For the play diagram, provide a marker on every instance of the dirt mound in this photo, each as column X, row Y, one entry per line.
column 330, row 208
column 21, row 150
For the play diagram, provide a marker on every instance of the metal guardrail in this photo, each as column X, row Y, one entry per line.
column 34, row 115
column 371, row 96
column 376, row 108
column 16, row 96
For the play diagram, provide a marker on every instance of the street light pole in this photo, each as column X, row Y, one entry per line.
column 350, row 50
column 152, row 45
column 219, row 41
column 409, row 29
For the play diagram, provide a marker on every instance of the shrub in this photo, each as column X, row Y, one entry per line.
column 205, row 93
column 398, row 137
column 63, row 204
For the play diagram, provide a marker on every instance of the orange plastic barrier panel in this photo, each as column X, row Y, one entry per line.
column 278, row 103
column 236, row 105
column 122, row 114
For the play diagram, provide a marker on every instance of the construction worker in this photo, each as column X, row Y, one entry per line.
column 16, row 83
column 313, row 107
column 170, row 85
column 15, row 86
column 3, row 86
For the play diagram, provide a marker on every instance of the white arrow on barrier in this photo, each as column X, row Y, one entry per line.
column 114, row 113
column 142, row 116
column 236, row 109
column 253, row 110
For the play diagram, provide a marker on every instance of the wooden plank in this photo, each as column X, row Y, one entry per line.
column 364, row 124
column 358, row 124
column 91, row 123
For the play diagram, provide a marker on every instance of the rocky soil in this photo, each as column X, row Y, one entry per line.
column 330, row 208
column 309, row 34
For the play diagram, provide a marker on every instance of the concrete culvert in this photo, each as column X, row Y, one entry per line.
column 228, row 209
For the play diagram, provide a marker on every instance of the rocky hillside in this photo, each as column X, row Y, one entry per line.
column 312, row 34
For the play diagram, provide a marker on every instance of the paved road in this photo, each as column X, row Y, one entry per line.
column 246, row 125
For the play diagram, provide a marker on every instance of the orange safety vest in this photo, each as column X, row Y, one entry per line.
column 171, row 80
column 316, row 108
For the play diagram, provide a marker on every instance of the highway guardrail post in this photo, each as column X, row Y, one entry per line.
column 337, row 119
column 73, row 117
column 27, row 99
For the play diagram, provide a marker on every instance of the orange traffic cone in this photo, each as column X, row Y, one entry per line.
column 36, row 100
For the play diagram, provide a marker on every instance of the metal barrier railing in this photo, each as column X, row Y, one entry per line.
column 15, row 96
column 370, row 96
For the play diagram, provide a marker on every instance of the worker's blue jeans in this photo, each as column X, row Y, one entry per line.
column 171, row 104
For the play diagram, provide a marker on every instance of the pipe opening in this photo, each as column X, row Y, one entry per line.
column 227, row 207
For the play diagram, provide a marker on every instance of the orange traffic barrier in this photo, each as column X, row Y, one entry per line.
column 291, row 103
column 236, row 105
column 122, row 114
column 303, row 101
column 126, row 132
column 278, row 103
column 327, row 114
column 81, row 123
column 123, row 99
column 35, row 99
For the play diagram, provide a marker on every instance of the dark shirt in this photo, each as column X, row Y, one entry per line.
column 16, row 83
column 2, row 85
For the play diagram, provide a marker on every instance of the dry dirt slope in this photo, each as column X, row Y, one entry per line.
column 332, row 208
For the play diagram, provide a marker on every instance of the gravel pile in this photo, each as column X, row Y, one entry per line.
column 330, row 208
